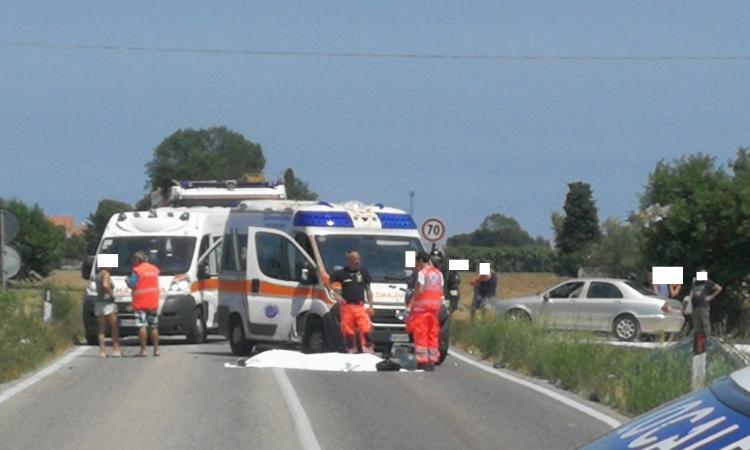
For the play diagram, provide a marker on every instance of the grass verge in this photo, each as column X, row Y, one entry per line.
column 632, row 381
column 26, row 341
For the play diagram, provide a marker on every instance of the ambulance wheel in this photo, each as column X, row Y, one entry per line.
column 197, row 334
column 314, row 340
column 237, row 341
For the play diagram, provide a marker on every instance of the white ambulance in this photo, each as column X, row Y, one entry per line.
column 276, row 263
column 185, row 243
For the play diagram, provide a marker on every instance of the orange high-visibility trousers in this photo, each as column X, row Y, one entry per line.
column 424, row 326
column 355, row 318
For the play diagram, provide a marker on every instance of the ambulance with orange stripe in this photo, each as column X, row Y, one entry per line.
column 183, row 239
column 276, row 260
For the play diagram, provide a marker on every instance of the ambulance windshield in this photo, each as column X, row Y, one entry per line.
column 171, row 254
column 382, row 256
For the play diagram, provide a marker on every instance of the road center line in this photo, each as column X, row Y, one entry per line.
column 305, row 432
column 40, row 375
column 544, row 391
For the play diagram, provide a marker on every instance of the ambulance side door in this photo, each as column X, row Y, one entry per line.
column 208, row 276
column 281, row 284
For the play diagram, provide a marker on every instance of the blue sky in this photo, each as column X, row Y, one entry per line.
column 470, row 137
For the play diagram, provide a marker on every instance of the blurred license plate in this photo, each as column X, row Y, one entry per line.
column 127, row 323
column 399, row 338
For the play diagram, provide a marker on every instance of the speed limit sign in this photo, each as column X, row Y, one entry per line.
column 433, row 229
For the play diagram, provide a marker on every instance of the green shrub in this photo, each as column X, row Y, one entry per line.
column 630, row 380
column 25, row 340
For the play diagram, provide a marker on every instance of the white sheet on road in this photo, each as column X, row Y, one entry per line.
column 331, row 362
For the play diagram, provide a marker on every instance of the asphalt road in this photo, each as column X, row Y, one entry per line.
column 187, row 399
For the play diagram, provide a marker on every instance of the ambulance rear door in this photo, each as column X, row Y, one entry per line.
column 283, row 282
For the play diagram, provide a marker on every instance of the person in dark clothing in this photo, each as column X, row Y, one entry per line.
column 702, row 294
column 352, row 288
column 485, row 288
column 451, row 278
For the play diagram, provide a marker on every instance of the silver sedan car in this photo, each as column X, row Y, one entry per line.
column 598, row 304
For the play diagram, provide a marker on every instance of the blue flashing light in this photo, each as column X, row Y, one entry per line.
column 322, row 219
column 325, row 204
column 398, row 221
column 380, row 205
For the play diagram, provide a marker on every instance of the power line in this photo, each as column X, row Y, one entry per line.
column 377, row 55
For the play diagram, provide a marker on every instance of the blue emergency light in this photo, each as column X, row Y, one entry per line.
column 322, row 219
column 397, row 221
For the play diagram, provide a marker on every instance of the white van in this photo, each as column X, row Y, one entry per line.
column 184, row 241
column 277, row 259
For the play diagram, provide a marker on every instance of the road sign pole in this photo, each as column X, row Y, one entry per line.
column 2, row 251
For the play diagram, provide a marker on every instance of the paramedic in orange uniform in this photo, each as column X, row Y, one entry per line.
column 352, row 287
column 424, row 309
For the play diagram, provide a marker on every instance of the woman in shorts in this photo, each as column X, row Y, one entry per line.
column 106, row 312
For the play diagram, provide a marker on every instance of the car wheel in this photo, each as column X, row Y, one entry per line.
column 237, row 341
column 314, row 340
column 197, row 333
column 445, row 343
column 626, row 328
column 519, row 315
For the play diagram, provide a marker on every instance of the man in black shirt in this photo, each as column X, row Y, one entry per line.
column 352, row 287
column 701, row 295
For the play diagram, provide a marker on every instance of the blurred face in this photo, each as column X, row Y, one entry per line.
column 353, row 261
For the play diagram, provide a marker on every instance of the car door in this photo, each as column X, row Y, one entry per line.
column 278, row 293
column 560, row 301
column 208, row 277
column 598, row 306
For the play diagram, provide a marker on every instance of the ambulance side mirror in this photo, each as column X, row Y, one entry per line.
column 88, row 263
column 203, row 271
column 308, row 276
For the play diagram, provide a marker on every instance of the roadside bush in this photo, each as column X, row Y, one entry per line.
column 25, row 340
column 630, row 380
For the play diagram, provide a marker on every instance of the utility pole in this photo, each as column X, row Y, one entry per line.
column 411, row 203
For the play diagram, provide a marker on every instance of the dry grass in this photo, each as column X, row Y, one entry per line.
column 510, row 285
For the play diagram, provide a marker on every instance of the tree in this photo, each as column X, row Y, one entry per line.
column 74, row 248
column 580, row 227
column 97, row 221
column 702, row 221
column 496, row 230
column 297, row 189
column 618, row 252
column 205, row 154
column 39, row 242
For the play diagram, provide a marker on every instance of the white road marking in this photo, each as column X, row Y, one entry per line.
column 544, row 391
column 40, row 375
column 305, row 433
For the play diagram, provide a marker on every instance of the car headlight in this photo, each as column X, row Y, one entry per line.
column 179, row 286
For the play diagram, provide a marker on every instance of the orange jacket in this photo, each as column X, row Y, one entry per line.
column 146, row 290
column 432, row 291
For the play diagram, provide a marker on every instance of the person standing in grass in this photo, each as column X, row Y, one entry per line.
column 485, row 289
column 702, row 294
column 106, row 312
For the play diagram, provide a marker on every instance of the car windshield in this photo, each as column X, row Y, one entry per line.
column 641, row 289
column 382, row 256
column 171, row 254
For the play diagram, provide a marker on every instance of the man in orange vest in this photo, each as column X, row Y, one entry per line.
column 144, row 283
column 424, row 309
